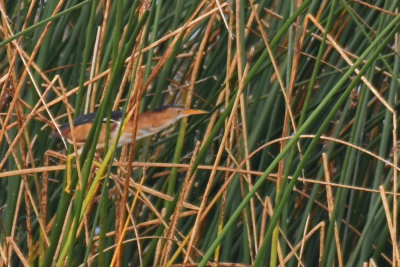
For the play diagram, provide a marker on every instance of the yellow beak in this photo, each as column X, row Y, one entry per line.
column 193, row 112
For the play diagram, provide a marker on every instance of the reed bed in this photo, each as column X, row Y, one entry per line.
column 295, row 163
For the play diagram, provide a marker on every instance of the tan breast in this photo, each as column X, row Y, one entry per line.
column 149, row 123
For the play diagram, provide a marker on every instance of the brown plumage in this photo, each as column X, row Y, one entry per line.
column 148, row 123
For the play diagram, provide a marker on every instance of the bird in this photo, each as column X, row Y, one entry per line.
column 148, row 123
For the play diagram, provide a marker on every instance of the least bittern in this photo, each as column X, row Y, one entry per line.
column 148, row 123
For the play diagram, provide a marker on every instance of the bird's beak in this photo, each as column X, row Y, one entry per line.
column 193, row 112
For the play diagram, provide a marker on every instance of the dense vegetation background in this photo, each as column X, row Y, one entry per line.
column 295, row 163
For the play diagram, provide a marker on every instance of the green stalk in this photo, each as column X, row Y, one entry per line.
column 40, row 23
column 292, row 142
column 261, row 60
